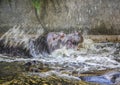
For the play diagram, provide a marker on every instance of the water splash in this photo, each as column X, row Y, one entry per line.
column 17, row 36
column 19, row 39
column 70, row 60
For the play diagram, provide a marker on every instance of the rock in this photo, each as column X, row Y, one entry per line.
column 61, row 15
column 10, row 70
column 36, row 66
column 13, row 73
column 108, row 78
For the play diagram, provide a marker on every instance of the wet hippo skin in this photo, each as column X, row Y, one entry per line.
column 55, row 40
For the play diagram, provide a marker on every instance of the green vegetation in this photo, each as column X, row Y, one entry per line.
column 36, row 4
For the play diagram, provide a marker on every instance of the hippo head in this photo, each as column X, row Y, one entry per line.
column 73, row 39
column 57, row 39
column 54, row 40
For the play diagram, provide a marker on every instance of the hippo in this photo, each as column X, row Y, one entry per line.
column 110, row 78
column 55, row 40
column 45, row 44
column 69, row 40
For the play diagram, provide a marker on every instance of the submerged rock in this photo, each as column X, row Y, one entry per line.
column 108, row 78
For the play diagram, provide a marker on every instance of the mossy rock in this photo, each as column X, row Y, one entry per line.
column 35, row 80
column 9, row 71
column 14, row 73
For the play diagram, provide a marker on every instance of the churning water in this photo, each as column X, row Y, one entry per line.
column 92, row 56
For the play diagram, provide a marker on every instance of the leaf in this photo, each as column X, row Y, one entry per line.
column 36, row 4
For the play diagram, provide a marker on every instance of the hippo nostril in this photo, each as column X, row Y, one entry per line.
column 75, row 43
column 53, row 38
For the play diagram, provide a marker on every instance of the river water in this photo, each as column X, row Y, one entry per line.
column 92, row 56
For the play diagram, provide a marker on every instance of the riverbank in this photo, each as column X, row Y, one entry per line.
column 15, row 73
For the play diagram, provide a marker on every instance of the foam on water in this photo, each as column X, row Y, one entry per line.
column 73, row 60
column 17, row 36
column 58, row 74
